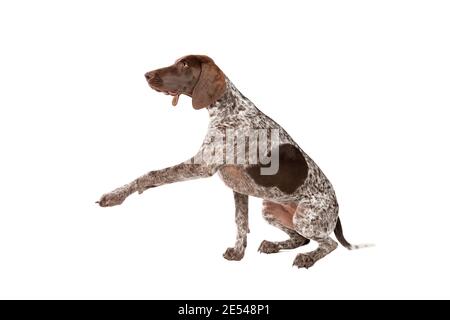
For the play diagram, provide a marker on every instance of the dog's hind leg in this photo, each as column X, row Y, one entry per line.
column 280, row 216
column 306, row 260
column 241, row 216
column 316, row 219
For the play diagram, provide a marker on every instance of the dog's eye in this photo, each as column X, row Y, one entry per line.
column 185, row 65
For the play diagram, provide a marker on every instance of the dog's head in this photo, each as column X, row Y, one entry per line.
column 194, row 75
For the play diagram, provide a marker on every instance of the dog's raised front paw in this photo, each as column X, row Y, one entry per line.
column 112, row 199
column 234, row 254
column 268, row 247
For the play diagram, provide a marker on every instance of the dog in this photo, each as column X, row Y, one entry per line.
column 297, row 196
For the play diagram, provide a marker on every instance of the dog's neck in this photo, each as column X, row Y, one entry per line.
column 232, row 102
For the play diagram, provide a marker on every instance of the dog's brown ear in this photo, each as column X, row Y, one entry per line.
column 210, row 86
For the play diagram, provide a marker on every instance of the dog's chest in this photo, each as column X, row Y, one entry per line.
column 236, row 178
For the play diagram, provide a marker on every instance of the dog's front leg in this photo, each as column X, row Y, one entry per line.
column 185, row 171
column 237, row 252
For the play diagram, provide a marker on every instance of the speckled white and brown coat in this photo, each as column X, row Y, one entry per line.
column 298, row 199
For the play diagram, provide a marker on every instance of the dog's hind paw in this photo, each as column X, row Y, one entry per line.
column 268, row 247
column 303, row 261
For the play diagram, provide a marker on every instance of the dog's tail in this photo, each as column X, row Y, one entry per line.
column 340, row 236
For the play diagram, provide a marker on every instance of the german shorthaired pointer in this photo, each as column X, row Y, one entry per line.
column 298, row 198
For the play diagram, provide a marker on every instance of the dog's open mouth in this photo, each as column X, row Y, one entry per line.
column 174, row 94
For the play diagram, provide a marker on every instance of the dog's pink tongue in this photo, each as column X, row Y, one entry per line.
column 175, row 99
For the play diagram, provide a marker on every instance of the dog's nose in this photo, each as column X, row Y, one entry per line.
column 149, row 75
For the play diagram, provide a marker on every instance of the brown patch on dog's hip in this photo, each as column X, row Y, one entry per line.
column 292, row 172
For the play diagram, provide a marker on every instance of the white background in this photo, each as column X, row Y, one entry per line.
column 363, row 87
